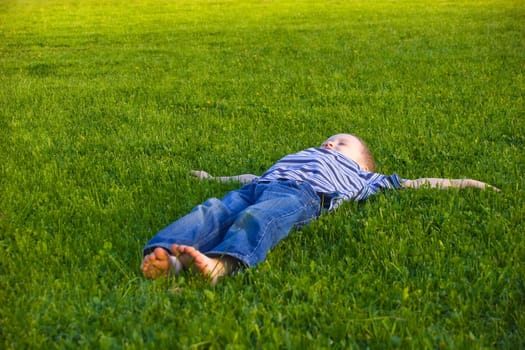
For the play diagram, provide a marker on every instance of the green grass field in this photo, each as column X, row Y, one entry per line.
column 105, row 106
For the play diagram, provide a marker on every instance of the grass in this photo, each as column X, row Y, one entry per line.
column 105, row 106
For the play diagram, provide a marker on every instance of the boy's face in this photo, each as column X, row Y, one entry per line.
column 347, row 145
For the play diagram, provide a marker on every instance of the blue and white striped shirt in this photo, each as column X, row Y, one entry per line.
column 331, row 174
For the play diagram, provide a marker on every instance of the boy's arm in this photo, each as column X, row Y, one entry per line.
column 244, row 178
column 447, row 183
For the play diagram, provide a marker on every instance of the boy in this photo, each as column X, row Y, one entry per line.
column 220, row 236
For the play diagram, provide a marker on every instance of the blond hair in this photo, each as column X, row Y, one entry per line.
column 367, row 157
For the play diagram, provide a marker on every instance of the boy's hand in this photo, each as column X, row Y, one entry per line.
column 448, row 183
column 244, row 178
column 201, row 174
column 483, row 185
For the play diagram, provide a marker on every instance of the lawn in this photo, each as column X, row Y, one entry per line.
column 105, row 107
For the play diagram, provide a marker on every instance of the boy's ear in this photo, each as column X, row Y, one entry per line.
column 363, row 165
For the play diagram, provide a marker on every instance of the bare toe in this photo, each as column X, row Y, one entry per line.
column 158, row 264
column 179, row 251
column 212, row 268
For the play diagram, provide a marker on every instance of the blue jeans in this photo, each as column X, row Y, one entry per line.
column 246, row 223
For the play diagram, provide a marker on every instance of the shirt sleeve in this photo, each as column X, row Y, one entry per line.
column 388, row 182
column 377, row 182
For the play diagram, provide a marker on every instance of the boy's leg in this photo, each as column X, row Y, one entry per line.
column 202, row 228
column 280, row 207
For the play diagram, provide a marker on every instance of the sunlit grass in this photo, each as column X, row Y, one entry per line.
column 105, row 106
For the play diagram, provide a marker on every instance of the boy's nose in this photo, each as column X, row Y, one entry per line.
column 328, row 145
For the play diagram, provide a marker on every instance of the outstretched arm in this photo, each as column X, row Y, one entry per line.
column 447, row 183
column 244, row 178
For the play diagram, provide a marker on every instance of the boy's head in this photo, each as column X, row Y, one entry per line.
column 352, row 147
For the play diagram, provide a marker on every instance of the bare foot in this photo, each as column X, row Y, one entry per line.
column 160, row 263
column 211, row 267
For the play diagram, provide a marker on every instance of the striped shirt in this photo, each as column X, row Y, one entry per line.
column 331, row 174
